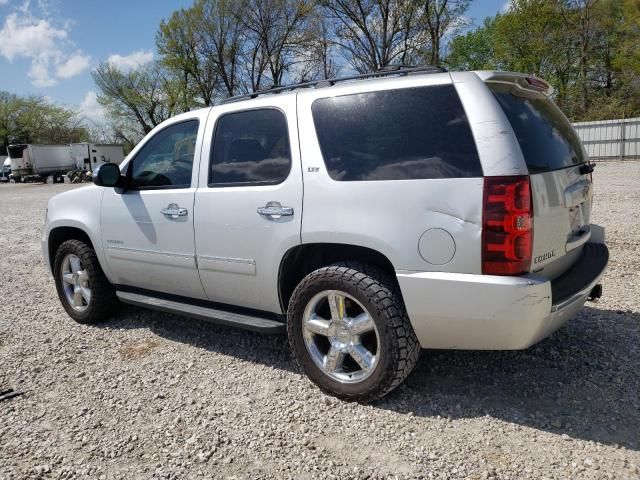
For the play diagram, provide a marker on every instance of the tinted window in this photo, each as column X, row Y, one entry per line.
column 396, row 135
column 546, row 137
column 166, row 160
column 251, row 147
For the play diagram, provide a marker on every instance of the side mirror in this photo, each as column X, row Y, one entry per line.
column 107, row 175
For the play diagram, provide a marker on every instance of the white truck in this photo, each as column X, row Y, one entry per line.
column 89, row 156
column 38, row 162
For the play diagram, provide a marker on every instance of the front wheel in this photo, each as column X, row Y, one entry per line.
column 350, row 333
column 83, row 289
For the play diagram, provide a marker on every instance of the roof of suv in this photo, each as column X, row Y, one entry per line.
column 392, row 70
column 528, row 82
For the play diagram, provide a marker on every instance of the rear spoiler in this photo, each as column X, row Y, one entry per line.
column 530, row 83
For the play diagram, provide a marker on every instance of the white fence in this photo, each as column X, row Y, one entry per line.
column 611, row 139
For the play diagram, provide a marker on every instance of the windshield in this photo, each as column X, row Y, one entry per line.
column 546, row 137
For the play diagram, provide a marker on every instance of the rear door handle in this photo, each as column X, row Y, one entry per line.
column 174, row 211
column 275, row 210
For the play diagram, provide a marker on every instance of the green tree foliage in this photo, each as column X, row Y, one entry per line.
column 219, row 48
column 587, row 49
column 33, row 119
column 183, row 45
column 372, row 34
column 139, row 99
column 625, row 59
column 279, row 31
column 475, row 49
column 439, row 18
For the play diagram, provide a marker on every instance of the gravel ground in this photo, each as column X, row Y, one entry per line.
column 149, row 395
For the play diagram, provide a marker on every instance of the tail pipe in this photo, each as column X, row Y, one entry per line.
column 596, row 292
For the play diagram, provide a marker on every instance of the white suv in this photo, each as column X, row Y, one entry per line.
column 367, row 217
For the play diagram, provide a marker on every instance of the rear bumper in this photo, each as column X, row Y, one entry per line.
column 486, row 312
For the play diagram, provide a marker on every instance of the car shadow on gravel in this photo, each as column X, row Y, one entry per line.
column 583, row 382
column 270, row 350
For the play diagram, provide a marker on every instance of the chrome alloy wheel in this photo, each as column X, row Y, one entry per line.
column 75, row 283
column 340, row 336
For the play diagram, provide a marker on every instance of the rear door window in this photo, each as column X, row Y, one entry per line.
column 547, row 139
column 250, row 147
column 403, row 134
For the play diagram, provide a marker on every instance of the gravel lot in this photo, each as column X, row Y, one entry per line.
column 149, row 395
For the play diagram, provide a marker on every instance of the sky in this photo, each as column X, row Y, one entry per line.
column 49, row 47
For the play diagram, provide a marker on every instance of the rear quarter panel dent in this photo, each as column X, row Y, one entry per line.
column 497, row 145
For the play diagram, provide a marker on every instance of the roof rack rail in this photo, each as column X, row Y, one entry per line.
column 389, row 70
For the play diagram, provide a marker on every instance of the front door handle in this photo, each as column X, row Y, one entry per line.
column 174, row 211
column 275, row 210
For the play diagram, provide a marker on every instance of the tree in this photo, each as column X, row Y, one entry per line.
column 525, row 36
column 475, row 50
column 578, row 17
column 625, row 58
column 279, row 31
column 221, row 36
column 33, row 119
column 182, row 43
column 586, row 49
column 439, row 18
column 373, row 34
column 137, row 100
column 321, row 55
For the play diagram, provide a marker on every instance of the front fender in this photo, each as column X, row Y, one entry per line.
column 79, row 209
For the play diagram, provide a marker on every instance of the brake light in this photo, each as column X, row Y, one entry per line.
column 538, row 83
column 507, row 226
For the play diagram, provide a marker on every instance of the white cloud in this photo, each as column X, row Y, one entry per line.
column 46, row 44
column 3, row 2
column 506, row 6
column 29, row 37
column 90, row 108
column 132, row 61
column 40, row 76
column 74, row 65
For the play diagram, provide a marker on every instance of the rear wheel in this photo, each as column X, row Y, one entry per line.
column 84, row 291
column 349, row 331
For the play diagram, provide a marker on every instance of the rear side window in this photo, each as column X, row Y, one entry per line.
column 546, row 137
column 412, row 133
column 250, row 148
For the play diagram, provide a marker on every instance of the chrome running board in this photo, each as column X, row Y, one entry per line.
column 223, row 317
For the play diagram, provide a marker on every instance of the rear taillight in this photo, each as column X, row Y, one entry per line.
column 507, row 226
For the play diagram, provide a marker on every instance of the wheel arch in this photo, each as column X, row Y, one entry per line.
column 302, row 259
column 59, row 235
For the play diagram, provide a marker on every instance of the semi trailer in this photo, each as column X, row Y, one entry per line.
column 77, row 161
column 38, row 162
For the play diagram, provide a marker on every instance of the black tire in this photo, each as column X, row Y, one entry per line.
column 380, row 295
column 104, row 301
